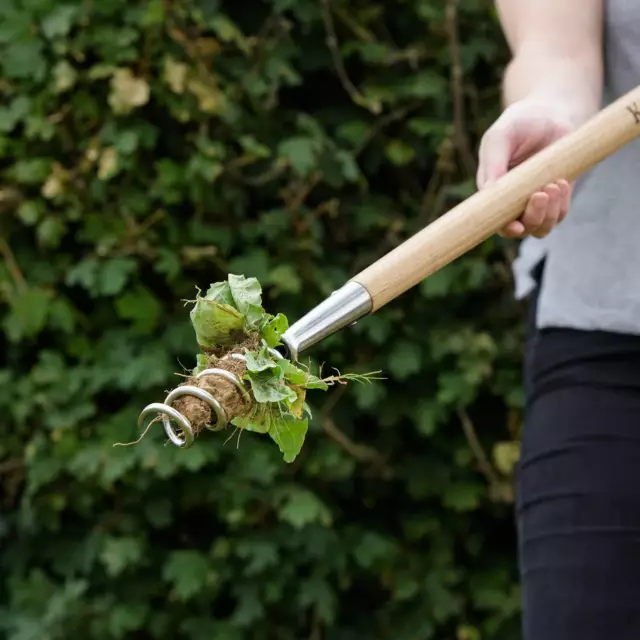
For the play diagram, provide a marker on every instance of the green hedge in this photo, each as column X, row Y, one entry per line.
column 152, row 147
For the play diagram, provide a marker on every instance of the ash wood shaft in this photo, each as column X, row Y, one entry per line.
column 487, row 211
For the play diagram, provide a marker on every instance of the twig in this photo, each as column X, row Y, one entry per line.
column 483, row 462
column 381, row 123
column 300, row 194
column 462, row 142
column 332, row 43
column 12, row 464
column 316, row 629
column 361, row 452
column 12, row 265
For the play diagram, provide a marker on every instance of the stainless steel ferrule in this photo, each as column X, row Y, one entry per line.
column 343, row 307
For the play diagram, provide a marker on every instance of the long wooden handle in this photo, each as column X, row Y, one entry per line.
column 487, row 211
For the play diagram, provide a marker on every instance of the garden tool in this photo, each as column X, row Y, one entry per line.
column 467, row 225
column 447, row 238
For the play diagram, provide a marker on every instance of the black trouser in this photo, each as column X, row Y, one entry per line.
column 578, row 502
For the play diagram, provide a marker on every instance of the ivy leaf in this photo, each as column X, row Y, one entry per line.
column 141, row 307
column 289, row 434
column 301, row 153
column 114, row 275
column 29, row 311
column 120, row 553
column 24, row 60
column 301, row 508
column 187, row 571
column 405, row 360
column 59, row 22
column 399, row 153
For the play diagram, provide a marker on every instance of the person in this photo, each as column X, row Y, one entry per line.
column 578, row 477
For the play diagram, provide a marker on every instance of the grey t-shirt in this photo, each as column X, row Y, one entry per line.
column 592, row 259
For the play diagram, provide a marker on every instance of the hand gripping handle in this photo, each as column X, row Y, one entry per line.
column 487, row 211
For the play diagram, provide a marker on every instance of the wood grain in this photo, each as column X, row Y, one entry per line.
column 487, row 211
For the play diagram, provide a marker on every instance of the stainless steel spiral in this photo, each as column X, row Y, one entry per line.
column 184, row 437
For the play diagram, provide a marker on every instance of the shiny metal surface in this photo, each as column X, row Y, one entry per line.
column 184, row 438
column 343, row 307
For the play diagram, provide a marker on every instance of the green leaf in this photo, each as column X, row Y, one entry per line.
column 59, row 22
column 126, row 618
column 201, row 364
column 289, row 434
column 268, row 387
column 463, row 497
column 259, row 360
column 373, row 548
column 29, row 311
column 313, row 382
column 246, row 292
column 294, row 375
column 13, row 114
column 220, row 292
column 399, row 153
column 301, row 152
column 215, row 323
column 24, row 61
column 141, row 307
column 440, row 283
column 118, row 554
column 285, row 279
column 301, row 508
column 273, row 330
column 505, row 456
column 187, row 571
column 405, row 360
column 114, row 275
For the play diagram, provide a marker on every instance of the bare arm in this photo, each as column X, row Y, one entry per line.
column 556, row 48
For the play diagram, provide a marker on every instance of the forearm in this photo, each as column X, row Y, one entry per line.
column 571, row 83
column 556, row 48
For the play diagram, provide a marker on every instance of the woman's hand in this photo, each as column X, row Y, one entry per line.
column 524, row 128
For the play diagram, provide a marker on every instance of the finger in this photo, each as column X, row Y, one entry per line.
column 535, row 211
column 494, row 154
column 514, row 229
column 566, row 190
column 552, row 211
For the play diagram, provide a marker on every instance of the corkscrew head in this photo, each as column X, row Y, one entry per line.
column 184, row 436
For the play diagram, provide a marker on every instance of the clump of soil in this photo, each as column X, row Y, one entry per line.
column 242, row 342
column 197, row 411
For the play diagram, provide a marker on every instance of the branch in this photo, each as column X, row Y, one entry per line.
column 457, row 91
column 483, row 462
column 381, row 123
column 332, row 43
column 12, row 265
column 12, row 464
column 362, row 453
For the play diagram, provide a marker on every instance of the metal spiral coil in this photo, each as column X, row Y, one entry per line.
column 184, row 438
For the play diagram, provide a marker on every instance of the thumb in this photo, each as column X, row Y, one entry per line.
column 496, row 151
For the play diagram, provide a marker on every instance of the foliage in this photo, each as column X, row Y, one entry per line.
column 150, row 147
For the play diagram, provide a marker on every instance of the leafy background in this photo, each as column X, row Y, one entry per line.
column 150, row 147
